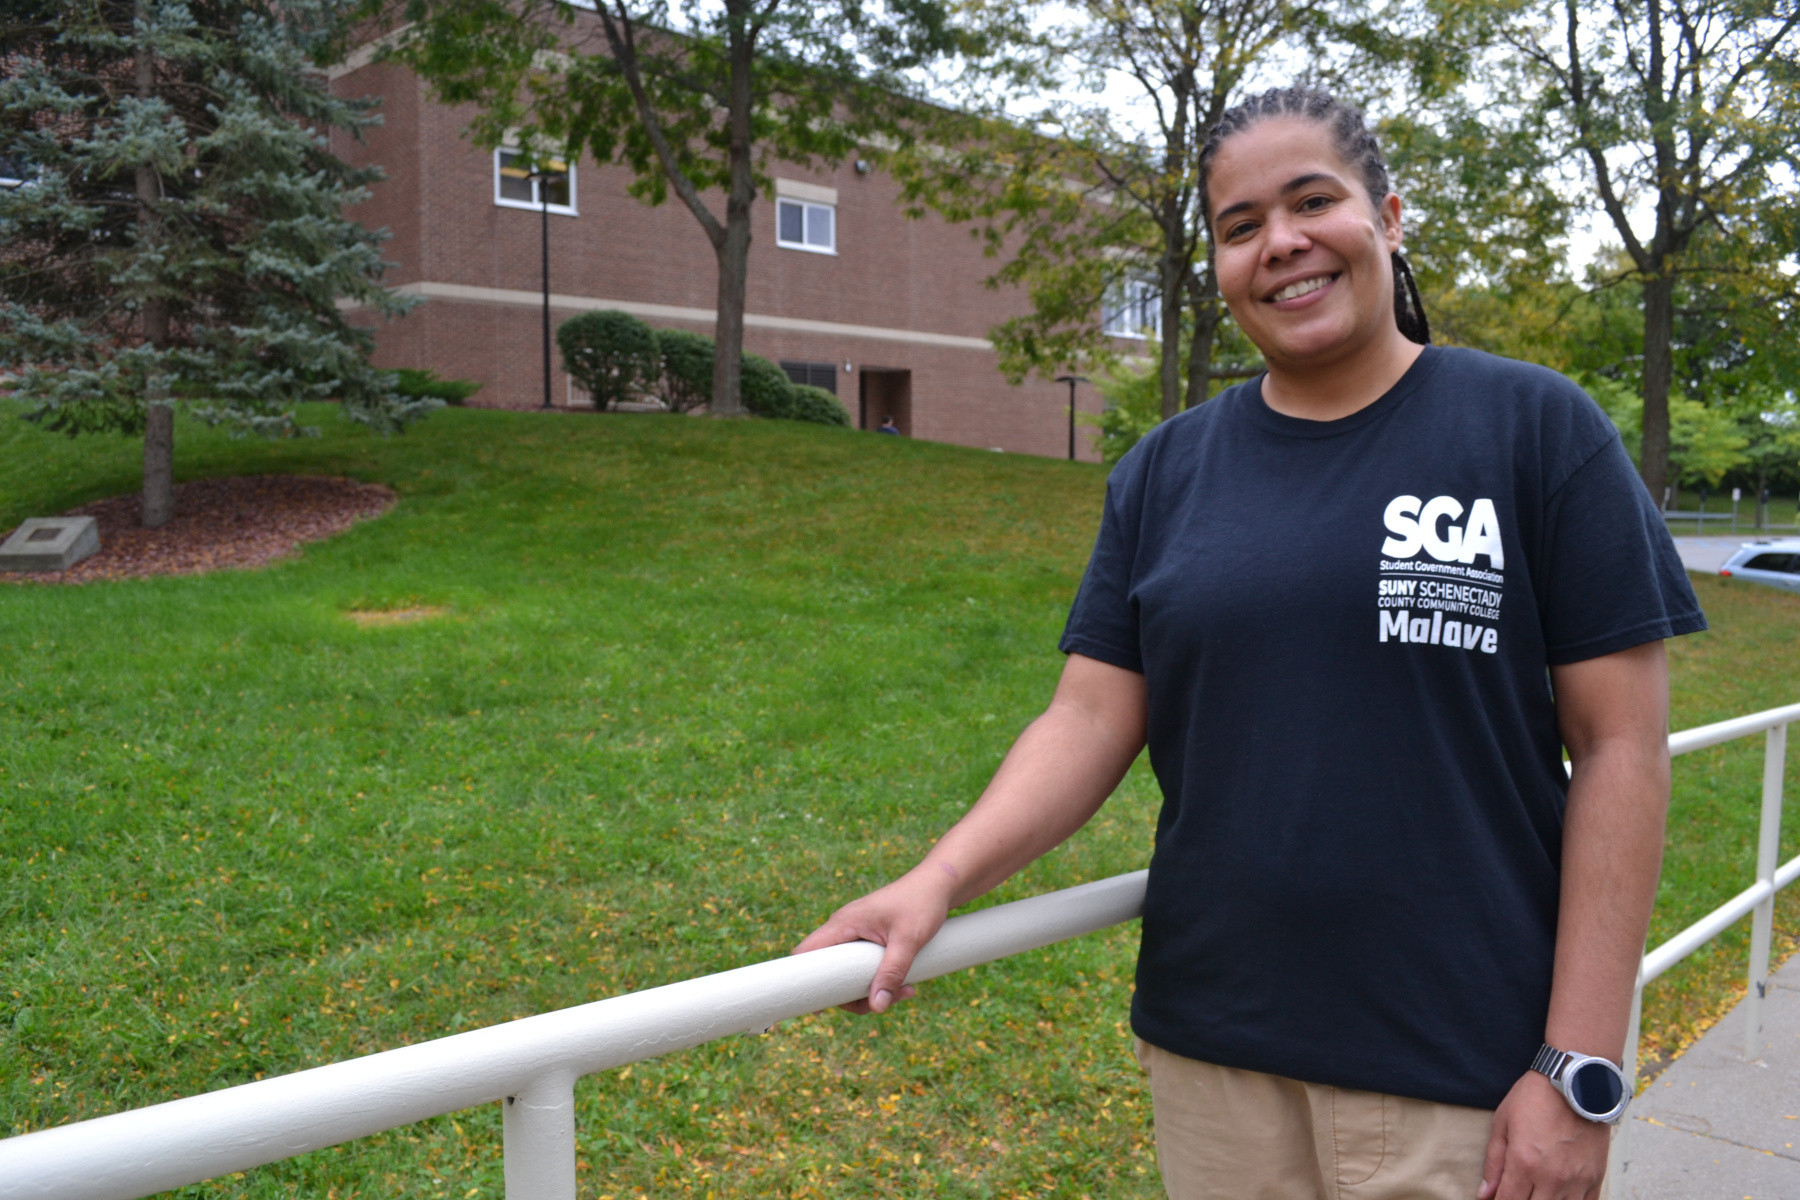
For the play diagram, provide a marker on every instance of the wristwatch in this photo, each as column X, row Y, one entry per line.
column 1594, row 1087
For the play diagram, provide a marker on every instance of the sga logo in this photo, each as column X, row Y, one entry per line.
column 1418, row 525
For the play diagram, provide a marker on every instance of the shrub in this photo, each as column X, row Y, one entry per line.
column 610, row 354
column 687, row 369
column 1133, row 394
column 416, row 385
column 819, row 406
column 767, row 390
column 687, row 365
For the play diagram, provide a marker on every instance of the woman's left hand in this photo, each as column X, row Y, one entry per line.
column 1540, row 1150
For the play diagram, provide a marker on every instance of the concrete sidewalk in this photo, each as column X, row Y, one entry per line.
column 1714, row 1127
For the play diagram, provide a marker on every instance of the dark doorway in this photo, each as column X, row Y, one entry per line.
column 884, row 392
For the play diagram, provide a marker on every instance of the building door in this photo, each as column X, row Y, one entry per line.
column 884, row 392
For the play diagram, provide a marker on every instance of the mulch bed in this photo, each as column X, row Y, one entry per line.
column 219, row 525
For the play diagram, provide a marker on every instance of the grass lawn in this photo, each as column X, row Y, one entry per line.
column 692, row 685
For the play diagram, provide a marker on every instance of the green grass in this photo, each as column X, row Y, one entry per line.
column 694, row 684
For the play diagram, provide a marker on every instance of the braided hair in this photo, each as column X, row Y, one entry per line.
column 1358, row 148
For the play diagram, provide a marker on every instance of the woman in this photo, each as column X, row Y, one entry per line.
column 1327, row 600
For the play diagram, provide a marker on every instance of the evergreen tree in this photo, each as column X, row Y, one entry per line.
column 174, row 229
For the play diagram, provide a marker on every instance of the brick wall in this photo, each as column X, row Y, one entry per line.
column 903, row 277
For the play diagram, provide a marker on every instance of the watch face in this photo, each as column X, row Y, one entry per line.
column 1596, row 1088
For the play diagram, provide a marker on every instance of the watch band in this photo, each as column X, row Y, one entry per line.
column 1551, row 1062
column 1561, row 1067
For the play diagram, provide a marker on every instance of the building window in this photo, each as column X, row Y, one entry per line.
column 1132, row 309
column 804, row 225
column 819, row 375
column 515, row 188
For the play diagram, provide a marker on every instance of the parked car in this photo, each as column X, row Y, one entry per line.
column 1776, row 563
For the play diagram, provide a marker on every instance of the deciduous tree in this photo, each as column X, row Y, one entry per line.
column 1083, row 200
column 692, row 97
column 1680, row 117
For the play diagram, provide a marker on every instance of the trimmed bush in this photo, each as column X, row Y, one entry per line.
column 819, row 406
column 767, row 390
column 416, row 384
column 687, row 369
column 609, row 354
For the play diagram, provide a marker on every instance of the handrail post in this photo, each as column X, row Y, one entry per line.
column 538, row 1125
column 1618, row 1154
column 1762, row 926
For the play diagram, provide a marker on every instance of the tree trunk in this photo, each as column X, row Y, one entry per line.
column 733, row 245
column 159, row 417
column 1762, row 490
column 159, row 465
column 728, row 334
column 1204, row 289
column 1169, row 369
column 1659, row 370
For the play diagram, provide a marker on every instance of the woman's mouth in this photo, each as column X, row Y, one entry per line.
column 1299, row 288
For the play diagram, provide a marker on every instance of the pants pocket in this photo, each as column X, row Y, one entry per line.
column 1359, row 1135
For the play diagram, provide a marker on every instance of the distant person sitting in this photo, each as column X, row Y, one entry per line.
column 887, row 426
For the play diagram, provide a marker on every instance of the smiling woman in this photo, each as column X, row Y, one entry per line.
column 1306, row 242
column 1328, row 600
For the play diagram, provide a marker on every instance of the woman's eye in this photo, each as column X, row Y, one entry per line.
column 1314, row 203
column 1241, row 228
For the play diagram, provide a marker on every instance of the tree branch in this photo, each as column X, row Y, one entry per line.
column 1584, row 124
column 621, row 39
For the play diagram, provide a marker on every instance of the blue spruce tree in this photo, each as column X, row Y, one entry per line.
column 171, row 223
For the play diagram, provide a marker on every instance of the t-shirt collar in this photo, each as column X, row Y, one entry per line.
column 1279, row 423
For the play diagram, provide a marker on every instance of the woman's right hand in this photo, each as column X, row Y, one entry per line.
column 1062, row 768
column 902, row 916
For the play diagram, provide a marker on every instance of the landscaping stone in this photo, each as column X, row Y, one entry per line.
column 50, row 544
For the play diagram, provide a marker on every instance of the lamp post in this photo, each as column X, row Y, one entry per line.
column 1071, row 380
column 540, row 179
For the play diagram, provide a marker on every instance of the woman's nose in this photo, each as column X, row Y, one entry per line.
column 1282, row 239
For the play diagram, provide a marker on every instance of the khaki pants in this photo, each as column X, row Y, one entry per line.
column 1226, row 1134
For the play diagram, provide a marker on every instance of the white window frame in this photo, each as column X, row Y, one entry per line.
column 805, row 207
column 562, row 210
column 1132, row 309
column 808, row 198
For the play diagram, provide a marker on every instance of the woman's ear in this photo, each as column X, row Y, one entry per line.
column 1392, row 231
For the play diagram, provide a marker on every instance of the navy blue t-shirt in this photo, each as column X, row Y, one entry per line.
column 1345, row 628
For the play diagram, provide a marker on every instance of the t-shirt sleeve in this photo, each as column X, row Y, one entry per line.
column 1611, row 578
column 1103, row 623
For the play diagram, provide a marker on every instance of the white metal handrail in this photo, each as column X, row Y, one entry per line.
column 532, row 1064
column 1758, row 898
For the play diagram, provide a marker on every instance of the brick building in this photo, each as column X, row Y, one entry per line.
column 844, row 290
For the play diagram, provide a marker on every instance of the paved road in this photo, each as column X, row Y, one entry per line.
column 1714, row 1127
column 1707, row 554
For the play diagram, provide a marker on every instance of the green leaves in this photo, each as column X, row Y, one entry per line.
column 1671, row 126
column 611, row 354
column 240, row 241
